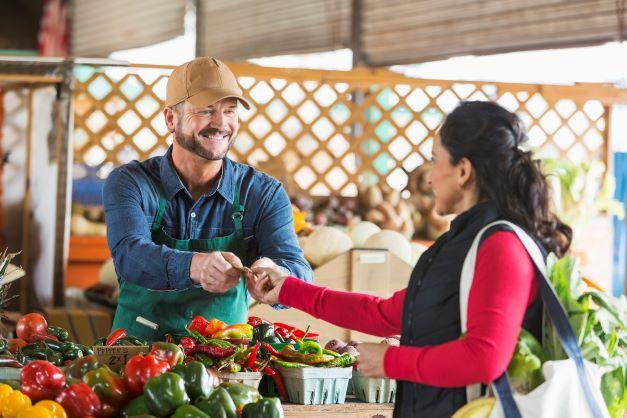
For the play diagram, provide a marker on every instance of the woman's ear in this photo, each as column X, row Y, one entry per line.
column 465, row 173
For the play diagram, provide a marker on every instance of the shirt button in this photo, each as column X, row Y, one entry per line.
column 193, row 214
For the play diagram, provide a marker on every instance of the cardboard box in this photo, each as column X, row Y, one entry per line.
column 376, row 272
column 85, row 325
column 115, row 355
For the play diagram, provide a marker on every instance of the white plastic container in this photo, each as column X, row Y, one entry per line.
column 373, row 389
column 316, row 385
column 247, row 378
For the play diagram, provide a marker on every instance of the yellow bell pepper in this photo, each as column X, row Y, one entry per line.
column 14, row 403
column 35, row 412
column 55, row 407
column 5, row 390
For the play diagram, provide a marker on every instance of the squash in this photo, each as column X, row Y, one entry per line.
column 360, row 232
column 325, row 243
column 392, row 241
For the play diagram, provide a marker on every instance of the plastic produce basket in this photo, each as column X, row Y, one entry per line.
column 373, row 389
column 9, row 373
column 247, row 378
column 316, row 385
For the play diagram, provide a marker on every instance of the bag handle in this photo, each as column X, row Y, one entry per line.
column 554, row 309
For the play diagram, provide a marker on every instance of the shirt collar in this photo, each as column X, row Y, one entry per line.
column 172, row 184
column 480, row 214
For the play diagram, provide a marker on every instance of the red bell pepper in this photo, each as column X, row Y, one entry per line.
column 41, row 380
column 110, row 389
column 199, row 324
column 140, row 369
column 115, row 336
column 168, row 352
column 79, row 400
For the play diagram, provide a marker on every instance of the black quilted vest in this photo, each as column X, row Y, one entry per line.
column 431, row 309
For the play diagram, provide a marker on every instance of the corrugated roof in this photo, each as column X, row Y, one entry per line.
column 401, row 31
column 236, row 29
column 101, row 27
column 393, row 31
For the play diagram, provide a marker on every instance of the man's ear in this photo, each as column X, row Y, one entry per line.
column 465, row 172
column 168, row 115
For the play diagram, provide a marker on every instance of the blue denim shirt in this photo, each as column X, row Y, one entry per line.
column 131, row 199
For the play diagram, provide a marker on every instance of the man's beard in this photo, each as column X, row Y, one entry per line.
column 194, row 144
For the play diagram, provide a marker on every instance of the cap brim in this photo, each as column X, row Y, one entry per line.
column 206, row 98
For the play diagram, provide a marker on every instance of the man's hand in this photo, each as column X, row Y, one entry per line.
column 214, row 271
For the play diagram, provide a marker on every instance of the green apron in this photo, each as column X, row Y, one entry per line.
column 140, row 309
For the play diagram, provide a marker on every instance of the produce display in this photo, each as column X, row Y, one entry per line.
column 175, row 378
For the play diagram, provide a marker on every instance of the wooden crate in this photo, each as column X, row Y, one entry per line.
column 377, row 272
column 85, row 325
column 86, row 256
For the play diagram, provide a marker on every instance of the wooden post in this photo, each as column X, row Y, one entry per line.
column 25, row 283
column 64, row 124
column 356, row 44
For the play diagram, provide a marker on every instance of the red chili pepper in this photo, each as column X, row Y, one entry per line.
column 255, row 320
column 41, row 380
column 187, row 343
column 253, row 355
column 211, row 351
column 297, row 333
column 168, row 338
column 270, row 349
column 278, row 382
column 281, row 332
column 115, row 336
column 42, row 337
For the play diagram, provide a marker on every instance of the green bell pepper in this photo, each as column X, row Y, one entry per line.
column 137, row 407
column 110, row 389
column 218, row 405
column 189, row 411
column 198, row 382
column 264, row 408
column 165, row 393
column 168, row 352
column 241, row 394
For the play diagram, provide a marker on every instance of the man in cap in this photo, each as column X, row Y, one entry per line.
column 179, row 225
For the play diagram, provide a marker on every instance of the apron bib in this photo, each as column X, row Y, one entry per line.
column 172, row 310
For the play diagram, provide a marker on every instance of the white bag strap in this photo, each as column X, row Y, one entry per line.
column 468, row 272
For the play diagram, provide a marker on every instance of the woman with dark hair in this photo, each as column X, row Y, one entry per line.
column 481, row 174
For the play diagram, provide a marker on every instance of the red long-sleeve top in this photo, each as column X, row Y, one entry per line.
column 503, row 287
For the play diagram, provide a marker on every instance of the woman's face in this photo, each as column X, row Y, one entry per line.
column 444, row 178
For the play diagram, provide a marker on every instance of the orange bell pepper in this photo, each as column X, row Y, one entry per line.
column 214, row 326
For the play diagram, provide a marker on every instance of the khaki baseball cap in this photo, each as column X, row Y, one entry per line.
column 202, row 82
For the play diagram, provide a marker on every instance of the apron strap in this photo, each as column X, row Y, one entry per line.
column 238, row 213
column 156, row 223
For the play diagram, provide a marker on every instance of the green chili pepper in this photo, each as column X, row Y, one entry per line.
column 310, row 347
column 99, row 342
column 61, row 333
column 344, row 360
column 289, row 364
column 204, row 359
column 331, row 353
column 3, row 344
column 288, row 353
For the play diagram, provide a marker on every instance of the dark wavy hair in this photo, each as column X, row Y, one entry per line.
column 490, row 137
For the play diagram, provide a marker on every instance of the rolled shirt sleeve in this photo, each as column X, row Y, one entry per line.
column 136, row 258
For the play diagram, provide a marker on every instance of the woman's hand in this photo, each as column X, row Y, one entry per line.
column 265, row 286
column 370, row 360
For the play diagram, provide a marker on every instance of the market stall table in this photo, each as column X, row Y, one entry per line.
column 350, row 409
